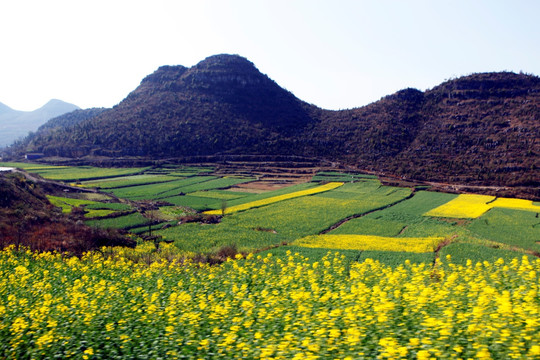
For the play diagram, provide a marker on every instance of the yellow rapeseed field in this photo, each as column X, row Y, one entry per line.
column 464, row 206
column 472, row 206
column 370, row 242
column 518, row 204
column 274, row 199
column 266, row 308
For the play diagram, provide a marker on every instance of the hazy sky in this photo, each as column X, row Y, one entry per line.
column 335, row 54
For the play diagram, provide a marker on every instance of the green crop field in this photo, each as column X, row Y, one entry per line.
column 219, row 183
column 507, row 226
column 368, row 226
column 220, row 194
column 80, row 173
column 461, row 253
column 93, row 209
column 109, row 206
column 96, row 213
column 122, row 222
column 161, row 190
column 403, row 219
column 30, row 166
column 126, row 181
column 195, row 202
column 67, row 203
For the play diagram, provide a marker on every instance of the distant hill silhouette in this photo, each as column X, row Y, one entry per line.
column 482, row 128
column 71, row 118
column 16, row 124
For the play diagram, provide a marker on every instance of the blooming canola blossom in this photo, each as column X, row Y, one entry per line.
column 262, row 307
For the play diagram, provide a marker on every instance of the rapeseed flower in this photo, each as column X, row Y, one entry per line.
column 267, row 307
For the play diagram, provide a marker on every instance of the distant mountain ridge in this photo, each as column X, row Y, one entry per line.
column 15, row 124
column 479, row 129
column 70, row 119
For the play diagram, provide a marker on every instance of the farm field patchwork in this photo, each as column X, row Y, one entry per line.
column 274, row 199
column 212, row 184
column 201, row 238
column 270, row 193
column 402, row 219
column 67, row 203
column 396, row 259
column 275, row 223
column 93, row 208
column 368, row 226
column 155, row 191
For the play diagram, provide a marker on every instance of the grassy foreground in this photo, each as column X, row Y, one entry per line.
column 266, row 307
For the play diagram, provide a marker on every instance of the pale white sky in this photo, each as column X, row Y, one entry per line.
column 335, row 54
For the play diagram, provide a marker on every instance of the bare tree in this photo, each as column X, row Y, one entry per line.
column 223, row 207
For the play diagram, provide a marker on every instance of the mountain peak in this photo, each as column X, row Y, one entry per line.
column 166, row 74
column 224, row 60
column 5, row 109
column 55, row 102
column 59, row 104
column 15, row 124
column 490, row 83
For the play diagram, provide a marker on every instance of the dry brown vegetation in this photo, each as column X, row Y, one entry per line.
column 28, row 219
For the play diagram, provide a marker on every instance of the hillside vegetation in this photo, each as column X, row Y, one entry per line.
column 478, row 129
column 27, row 218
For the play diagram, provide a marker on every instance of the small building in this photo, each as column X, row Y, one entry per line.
column 33, row 156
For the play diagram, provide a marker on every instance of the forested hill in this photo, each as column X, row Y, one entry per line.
column 70, row 119
column 223, row 104
column 483, row 128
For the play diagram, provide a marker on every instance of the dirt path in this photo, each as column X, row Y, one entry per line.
column 403, row 230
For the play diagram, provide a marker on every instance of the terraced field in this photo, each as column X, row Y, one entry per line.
column 355, row 211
